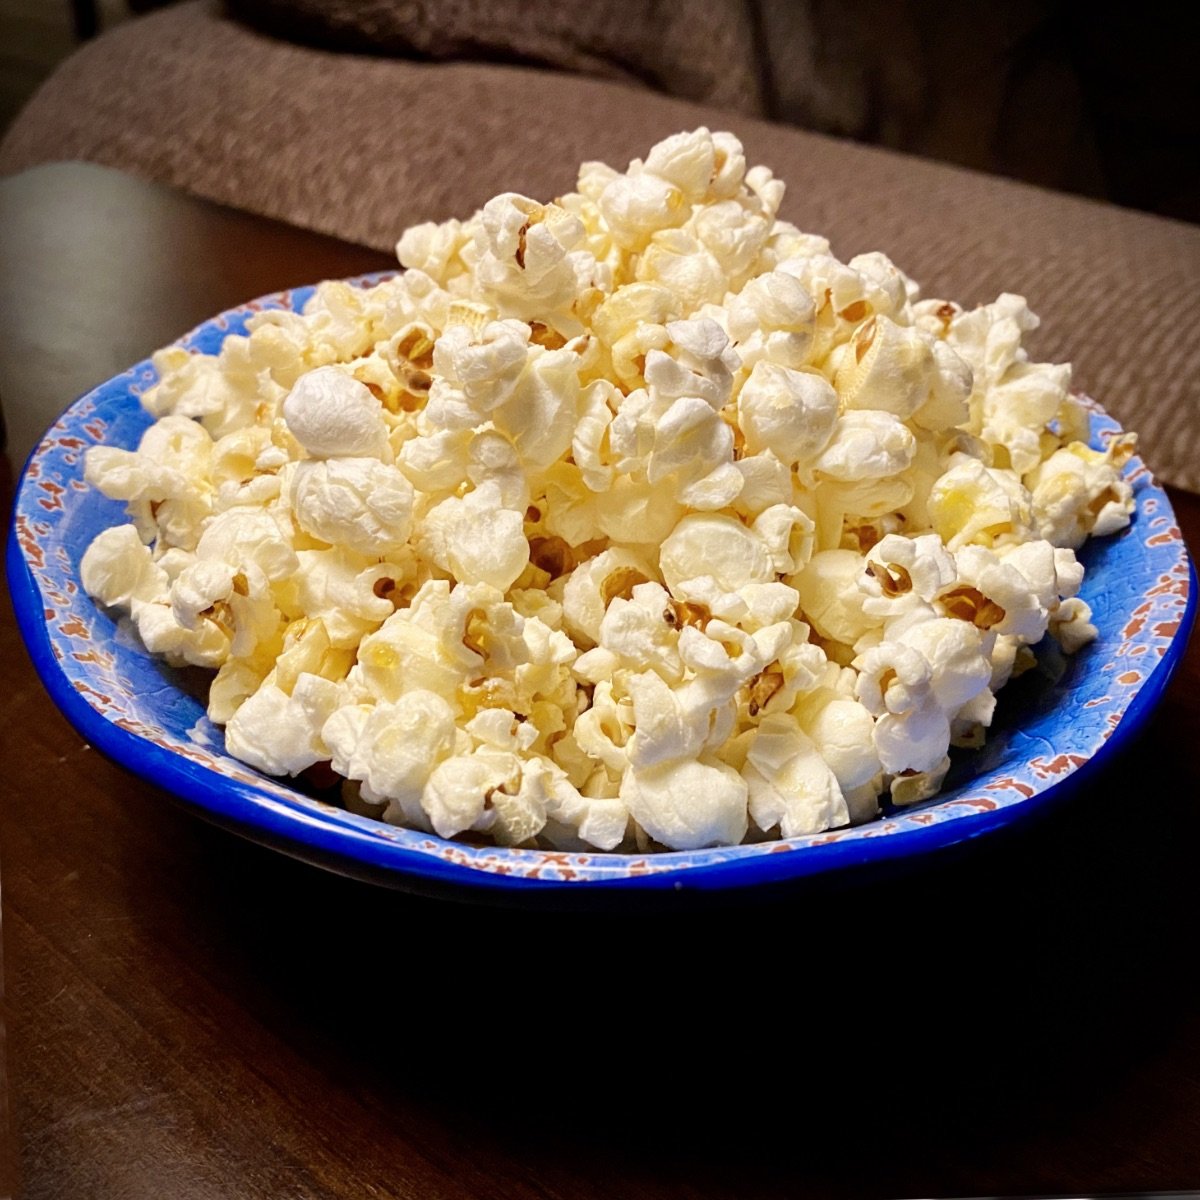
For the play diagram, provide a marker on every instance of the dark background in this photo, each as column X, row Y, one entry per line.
column 1101, row 100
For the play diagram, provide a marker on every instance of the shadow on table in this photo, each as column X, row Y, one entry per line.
column 921, row 1029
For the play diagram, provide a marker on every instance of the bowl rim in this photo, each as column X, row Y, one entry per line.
column 261, row 809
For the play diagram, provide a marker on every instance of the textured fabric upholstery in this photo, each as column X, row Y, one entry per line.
column 698, row 49
column 361, row 147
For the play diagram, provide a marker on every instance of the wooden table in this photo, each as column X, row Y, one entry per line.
column 191, row 1016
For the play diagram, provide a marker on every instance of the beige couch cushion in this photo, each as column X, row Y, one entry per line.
column 361, row 147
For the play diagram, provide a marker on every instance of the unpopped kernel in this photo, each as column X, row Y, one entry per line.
column 632, row 520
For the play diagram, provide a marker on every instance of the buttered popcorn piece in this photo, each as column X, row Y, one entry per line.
column 790, row 785
column 984, row 505
column 118, row 569
column 789, row 412
column 393, row 748
column 889, row 367
column 688, row 804
column 717, row 546
column 359, row 503
column 867, row 444
column 634, row 519
column 902, row 574
column 280, row 733
column 529, row 258
column 331, row 414
column 476, row 538
column 1078, row 492
column 830, row 597
column 771, row 320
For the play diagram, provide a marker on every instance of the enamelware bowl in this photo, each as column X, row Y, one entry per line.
column 1050, row 734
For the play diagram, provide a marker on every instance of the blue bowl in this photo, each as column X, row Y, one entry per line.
column 1050, row 735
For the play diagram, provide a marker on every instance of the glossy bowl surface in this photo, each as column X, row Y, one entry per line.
column 1050, row 736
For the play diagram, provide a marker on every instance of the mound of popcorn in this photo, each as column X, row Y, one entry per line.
column 632, row 520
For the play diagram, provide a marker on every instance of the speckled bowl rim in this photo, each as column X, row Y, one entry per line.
column 80, row 661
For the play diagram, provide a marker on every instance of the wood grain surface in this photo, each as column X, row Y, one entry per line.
column 191, row 1016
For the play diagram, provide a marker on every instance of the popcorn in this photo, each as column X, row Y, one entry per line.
column 692, row 441
column 679, row 262
column 474, row 374
column 958, row 664
column 788, row 412
column 733, row 232
column 595, row 584
column 689, row 380
column 436, row 462
column 476, row 539
column 635, row 207
column 280, row 733
column 604, row 729
column 205, row 646
column 912, row 741
column 787, row 533
column 891, row 368
column 1077, row 493
column 492, row 458
column 249, row 537
column 946, row 406
column 974, row 503
column 717, row 546
column 577, row 822
column 420, row 647
column 765, row 482
column 697, row 362
column 118, row 569
column 842, row 732
column 771, row 320
column 393, row 748
column 1018, row 410
column 351, row 593
column 905, row 573
column 992, row 594
column 830, row 598
column 867, row 445
column 457, row 794
column 911, row 787
column 1071, row 625
column 1051, row 572
column 634, row 512
column 722, row 657
column 240, row 601
column 592, row 432
column 689, row 804
column 666, row 727
column 195, row 386
column 643, row 630
column 170, row 462
column 885, row 287
column 689, row 161
column 631, row 322
column 789, row 783
column 528, row 260
column 308, row 650
column 623, row 521
column 331, row 415
column 359, row 503
column 430, row 248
